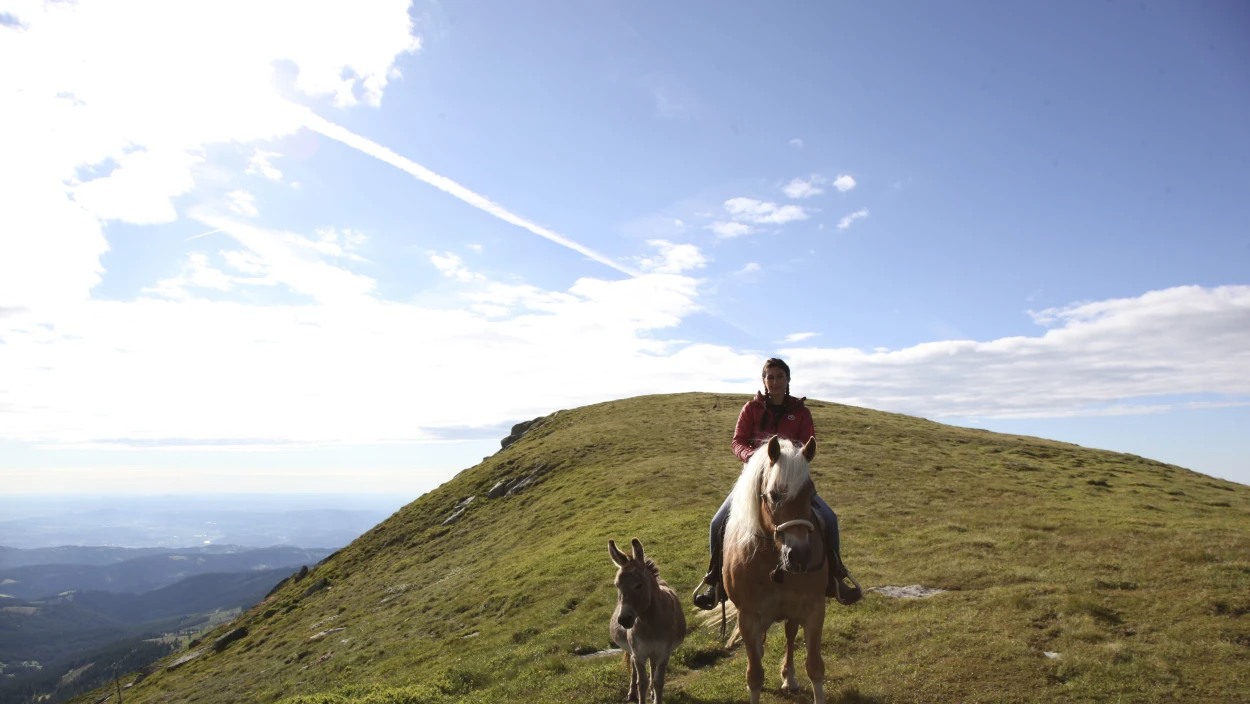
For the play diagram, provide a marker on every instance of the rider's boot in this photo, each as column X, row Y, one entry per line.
column 711, row 596
column 846, row 594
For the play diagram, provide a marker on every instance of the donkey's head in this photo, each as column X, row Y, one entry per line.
column 786, row 504
column 637, row 582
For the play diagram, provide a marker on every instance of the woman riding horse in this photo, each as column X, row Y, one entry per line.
column 777, row 413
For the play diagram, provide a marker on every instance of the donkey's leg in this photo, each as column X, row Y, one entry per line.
column 815, row 663
column 633, row 678
column 753, row 638
column 644, row 680
column 659, row 668
column 788, row 683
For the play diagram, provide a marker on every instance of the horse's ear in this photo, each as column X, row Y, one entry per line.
column 774, row 450
column 638, row 551
column 617, row 556
column 809, row 449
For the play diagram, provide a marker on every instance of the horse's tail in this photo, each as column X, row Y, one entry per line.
column 716, row 621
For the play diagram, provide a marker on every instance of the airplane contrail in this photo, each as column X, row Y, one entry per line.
column 340, row 134
column 192, row 237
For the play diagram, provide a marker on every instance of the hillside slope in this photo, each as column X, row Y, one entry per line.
column 1136, row 573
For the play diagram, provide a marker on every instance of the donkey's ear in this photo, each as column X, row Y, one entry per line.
column 809, row 449
column 617, row 556
column 774, row 450
column 638, row 551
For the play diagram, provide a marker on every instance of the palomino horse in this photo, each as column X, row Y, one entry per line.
column 648, row 622
column 775, row 567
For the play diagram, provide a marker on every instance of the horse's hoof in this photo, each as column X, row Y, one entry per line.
column 789, row 686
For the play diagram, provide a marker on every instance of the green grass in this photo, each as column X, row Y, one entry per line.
column 1135, row 572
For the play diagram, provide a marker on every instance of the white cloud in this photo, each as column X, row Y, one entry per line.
column 343, row 243
column 453, row 267
column 347, row 368
column 844, row 183
column 475, row 247
column 730, row 229
column 196, row 273
column 242, row 202
column 799, row 336
column 796, row 142
column 141, row 189
column 799, row 188
column 1096, row 359
column 259, row 165
column 761, row 212
column 343, row 369
column 81, row 89
column 750, row 268
column 672, row 258
column 846, row 221
column 292, row 260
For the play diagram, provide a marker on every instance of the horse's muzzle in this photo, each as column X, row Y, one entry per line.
column 626, row 621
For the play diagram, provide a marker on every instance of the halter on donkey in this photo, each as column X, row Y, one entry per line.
column 774, row 560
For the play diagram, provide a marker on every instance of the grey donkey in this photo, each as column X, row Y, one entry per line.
column 648, row 623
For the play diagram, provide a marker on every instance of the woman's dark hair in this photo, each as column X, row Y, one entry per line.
column 775, row 362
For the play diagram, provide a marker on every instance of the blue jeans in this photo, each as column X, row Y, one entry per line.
column 716, row 535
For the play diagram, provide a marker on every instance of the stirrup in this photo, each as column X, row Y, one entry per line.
column 708, row 598
column 838, row 589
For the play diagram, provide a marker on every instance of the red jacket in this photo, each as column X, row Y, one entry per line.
column 756, row 424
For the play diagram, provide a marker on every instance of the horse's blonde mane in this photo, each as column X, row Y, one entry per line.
column 791, row 472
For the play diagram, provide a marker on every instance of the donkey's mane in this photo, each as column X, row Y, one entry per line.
column 792, row 472
column 649, row 565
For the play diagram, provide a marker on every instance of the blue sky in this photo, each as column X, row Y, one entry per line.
column 348, row 253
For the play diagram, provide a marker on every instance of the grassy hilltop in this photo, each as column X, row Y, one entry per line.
column 1135, row 572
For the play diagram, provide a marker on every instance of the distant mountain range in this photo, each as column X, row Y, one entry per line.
column 57, row 625
column 95, row 555
column 147, row 572
column 177, row 526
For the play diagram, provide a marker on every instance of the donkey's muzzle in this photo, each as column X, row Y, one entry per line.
column 626, row 621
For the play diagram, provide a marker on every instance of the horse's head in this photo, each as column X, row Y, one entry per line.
column 786, row 506
column 637, row 582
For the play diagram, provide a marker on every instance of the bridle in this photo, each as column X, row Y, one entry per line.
column 798, row 522
column 778, row 530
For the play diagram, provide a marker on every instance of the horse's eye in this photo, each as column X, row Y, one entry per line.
column 775, row 496
column 638, row 586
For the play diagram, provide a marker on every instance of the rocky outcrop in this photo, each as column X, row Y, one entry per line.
column 911, row 591
column 458, row 510
column 143, row 673
column 317, row 586
column 518, row 431
column 514, row 486
column 221, row 643
column 185, row 659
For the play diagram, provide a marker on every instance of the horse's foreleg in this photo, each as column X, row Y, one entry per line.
column 815, row 663
column 659, row 669
column 788, row 683
column 753, row 638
